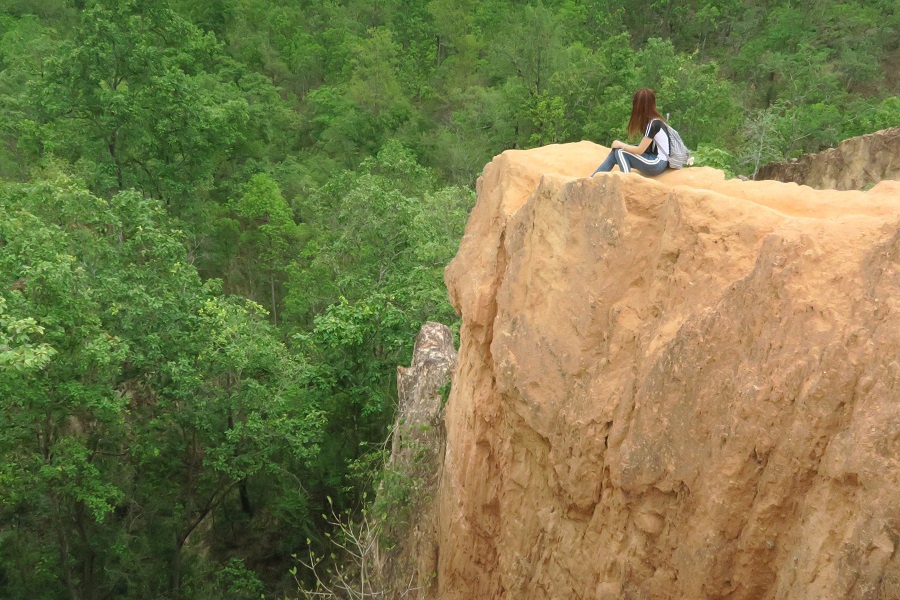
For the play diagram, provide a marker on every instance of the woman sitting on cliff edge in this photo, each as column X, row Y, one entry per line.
column 651, row 156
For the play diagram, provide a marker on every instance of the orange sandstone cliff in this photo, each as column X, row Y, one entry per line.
column 682, row 387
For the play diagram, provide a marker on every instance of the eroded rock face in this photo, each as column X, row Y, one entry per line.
column 417, row 452
column 681, row 387
column 854, row 164
column 419, row 392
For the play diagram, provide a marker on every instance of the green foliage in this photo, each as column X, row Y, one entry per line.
column 18, row 352
column 142, row 98
column 132, row 392
column 237, row 582
column 374, row 84
column 210, row 323
column 401, row 492
column 25, row 46
column 717, row 158
column 702, row 106
column 765, row 140
column 383, row 232
column 864, row 117
column 371, row 275
column 267, row 237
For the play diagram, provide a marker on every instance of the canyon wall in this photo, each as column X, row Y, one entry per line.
column 854, row 164
column 681, row 387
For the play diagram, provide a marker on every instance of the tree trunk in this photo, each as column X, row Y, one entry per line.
column 89, row 586
column 762, row 139
column 175, row 570
column 274, row 308
column 245, row 497
column 437, row 51
column 63, row 539
column 113, row 153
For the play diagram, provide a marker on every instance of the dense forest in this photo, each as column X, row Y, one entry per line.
column 222, row 223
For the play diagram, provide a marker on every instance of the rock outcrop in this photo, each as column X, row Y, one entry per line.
column 674, row 388
column 854, row 164
column 417, row 451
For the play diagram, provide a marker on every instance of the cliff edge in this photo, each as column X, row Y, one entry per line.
column 682, row 387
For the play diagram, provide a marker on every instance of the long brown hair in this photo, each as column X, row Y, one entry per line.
column 643, row 110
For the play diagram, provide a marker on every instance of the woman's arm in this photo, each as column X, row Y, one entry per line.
column 639, row 149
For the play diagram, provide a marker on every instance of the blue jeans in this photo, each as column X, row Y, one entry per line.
column 646, row 163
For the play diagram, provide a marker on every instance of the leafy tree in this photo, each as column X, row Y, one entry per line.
column 764, row 140
column 137, row 400
column 142, row 98
column 596, row 86
column 865, row 117
column 701, row 105
column 457, row 43
column 374, row 83
column 26, row 46
column 374, row 276
column 268, row 238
